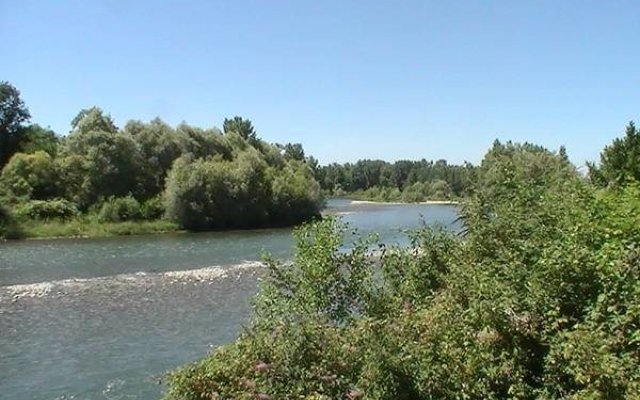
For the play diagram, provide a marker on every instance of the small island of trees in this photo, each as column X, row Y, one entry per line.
column 150, row 174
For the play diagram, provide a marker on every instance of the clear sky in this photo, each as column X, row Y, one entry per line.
column 349, row 79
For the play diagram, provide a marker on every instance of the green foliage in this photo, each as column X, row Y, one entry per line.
column 9, row 228
column 294, row 151
column 379, row 180
column 242, row 127
column 218, row 194
column 93, row 119
column 296, row 194
column 620, row 161
column 538, row 299
column 37, row 138
column 237, row 179
column 13, row 113
column 110, row 162
column 207, row 143
column 240, row 193
column 30, row 176
column 88, row 226
column 119, row 209
column 153, row 208
column 159, row 146
column 47, row 209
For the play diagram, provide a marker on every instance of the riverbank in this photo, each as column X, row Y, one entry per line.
column 89, row 228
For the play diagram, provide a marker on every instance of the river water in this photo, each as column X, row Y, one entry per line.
column 106, row 318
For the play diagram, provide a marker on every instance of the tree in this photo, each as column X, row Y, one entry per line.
column 93, row 119
column 242, row 126
column 620, row 161
column 205, row 143
column 110, row 158
column 293, row 151
column 218, row 194
column 30, row 177
column 13, row 113
column 296, row 194
column 37, row 138
column 159, row 147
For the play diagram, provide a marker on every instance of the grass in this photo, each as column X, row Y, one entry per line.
column 90, row 227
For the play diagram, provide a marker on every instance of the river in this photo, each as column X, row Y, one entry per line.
column 106, row 318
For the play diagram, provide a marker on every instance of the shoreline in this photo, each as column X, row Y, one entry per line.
column 427, row 202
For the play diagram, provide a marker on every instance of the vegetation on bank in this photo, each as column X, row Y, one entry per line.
column 538, row 297
column 416, row 193
column 145, row 177
column 90, row 226
column 401, row 181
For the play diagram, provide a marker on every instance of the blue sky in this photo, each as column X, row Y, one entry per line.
column 348, row 79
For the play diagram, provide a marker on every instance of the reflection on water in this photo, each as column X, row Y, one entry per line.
column 104, row 318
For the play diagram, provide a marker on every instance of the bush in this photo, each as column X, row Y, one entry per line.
column 9, row 229
column 47, row 209
column 30, row 176
column 539, row 300
column 153, row 208
column 118, row 209
column 243, row 193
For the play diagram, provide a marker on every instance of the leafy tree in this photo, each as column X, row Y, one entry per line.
column 13, row 114
column 241, row 126
column 620, row 161
column 294, row 151
column 73, row 177
column 92, row 119
column 111, row 159
column 159, row 146
column 201, row 143
column 30, row 177
column 204, row 194
column 36, row 138
column 296, row 194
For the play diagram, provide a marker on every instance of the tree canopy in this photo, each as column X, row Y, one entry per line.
column 13, row 114
column 402, row 180
column 619, row 161
column 198, row 178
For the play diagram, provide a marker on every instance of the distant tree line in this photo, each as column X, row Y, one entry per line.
column 199, row 178
column 401, row 180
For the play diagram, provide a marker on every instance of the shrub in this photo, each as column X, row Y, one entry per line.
column 539, row 300
column 153, row 208
column 118, row 209
column 9, row 229
column 30, row 176
column 243, row 193
column 47, row 209
column 414, row 193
